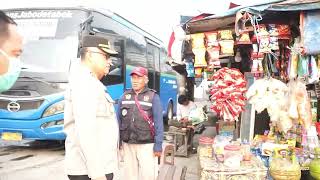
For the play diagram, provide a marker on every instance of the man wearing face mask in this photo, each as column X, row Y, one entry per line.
column 10, row 50
column 141, row 128
column 90, row 121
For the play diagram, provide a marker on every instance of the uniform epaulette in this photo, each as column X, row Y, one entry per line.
column 127, row 91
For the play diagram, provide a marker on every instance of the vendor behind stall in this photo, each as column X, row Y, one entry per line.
column 184, row 108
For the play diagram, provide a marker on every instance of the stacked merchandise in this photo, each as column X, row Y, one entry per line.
column 285, row 64
column 227, row 93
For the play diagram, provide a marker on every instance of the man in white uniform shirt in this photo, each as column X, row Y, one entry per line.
column 184, row 108
column 90, row 121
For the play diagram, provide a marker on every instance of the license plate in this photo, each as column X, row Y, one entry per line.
column 10, row 136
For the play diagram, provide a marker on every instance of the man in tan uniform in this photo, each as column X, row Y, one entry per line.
column 90, row 120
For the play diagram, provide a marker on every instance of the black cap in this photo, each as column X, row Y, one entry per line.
column 98, row 42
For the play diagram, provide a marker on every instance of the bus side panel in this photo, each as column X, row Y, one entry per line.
column 115, row 91
column 128, row 77
column 168, row 92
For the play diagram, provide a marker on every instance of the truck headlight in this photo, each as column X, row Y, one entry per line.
column 55, row 108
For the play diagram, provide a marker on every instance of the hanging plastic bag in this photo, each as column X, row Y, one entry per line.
column 311, row 32
column 190, row 69
column 303, row 66
column 313, row 73
column 197, row 116
column 294, row 58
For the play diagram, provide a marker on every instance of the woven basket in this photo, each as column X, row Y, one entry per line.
column 285, row 175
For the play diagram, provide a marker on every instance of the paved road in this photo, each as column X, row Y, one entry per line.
column 31, row 160
column 34, row 160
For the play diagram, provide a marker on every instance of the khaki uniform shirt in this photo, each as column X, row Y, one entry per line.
column 90, row 125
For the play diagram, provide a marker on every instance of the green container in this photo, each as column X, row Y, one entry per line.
column 315, row 165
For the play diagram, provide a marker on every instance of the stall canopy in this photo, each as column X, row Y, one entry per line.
column 272, row 9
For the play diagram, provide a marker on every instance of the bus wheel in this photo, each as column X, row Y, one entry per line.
column 170, row 112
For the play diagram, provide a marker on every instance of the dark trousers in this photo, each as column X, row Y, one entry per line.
column 86, row 177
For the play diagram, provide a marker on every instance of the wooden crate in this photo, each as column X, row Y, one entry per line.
column 169, row 171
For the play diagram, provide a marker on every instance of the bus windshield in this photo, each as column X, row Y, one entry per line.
column 50, row 41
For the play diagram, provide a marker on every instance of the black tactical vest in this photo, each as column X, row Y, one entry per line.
column 133, row 127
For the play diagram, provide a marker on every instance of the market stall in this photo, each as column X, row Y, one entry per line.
column 261, row 65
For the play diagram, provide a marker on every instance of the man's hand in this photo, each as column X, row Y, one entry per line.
column 184, row 119
column 101, row 178
column 191, row 127
column 157, row 154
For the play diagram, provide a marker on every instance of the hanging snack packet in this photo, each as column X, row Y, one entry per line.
column 211, row 39
column 213, row 53
column 225, row 35
column 244, row 38
column 283, row 31
column 200, row 59
column 264, row 40
column 197, row 40
column 273, row 31
column 227, row 47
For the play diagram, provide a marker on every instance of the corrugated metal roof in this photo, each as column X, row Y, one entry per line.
column 295, row 5
column 290, row 2
column 227, row 18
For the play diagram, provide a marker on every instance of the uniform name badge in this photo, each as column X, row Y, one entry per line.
column 124, row 112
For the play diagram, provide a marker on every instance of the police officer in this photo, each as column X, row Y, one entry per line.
column 141, row 128
column 90, row 120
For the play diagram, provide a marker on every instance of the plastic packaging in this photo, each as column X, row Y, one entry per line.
column 205, row 147
column 315, row 165
column 232, row 156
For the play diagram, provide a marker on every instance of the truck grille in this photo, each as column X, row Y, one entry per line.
column 24, row 104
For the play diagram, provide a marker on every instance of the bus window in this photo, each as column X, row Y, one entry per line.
column 164, row 67
column 115, row 75
column 50, row 41
column 157, row 60
column 150, row 56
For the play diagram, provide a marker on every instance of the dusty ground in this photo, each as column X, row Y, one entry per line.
column 32, row 160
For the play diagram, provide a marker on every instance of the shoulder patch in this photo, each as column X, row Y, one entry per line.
column 128, row 96
column 146, row 98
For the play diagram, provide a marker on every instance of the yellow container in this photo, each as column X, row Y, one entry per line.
column 284, row 166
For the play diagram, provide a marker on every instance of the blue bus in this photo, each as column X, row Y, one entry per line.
column 33, row 107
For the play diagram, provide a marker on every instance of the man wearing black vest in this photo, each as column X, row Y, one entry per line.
column 141, row 128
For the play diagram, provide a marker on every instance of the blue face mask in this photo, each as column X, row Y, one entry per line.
column 9, row 78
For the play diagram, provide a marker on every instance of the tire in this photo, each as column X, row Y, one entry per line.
column 170, row 111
